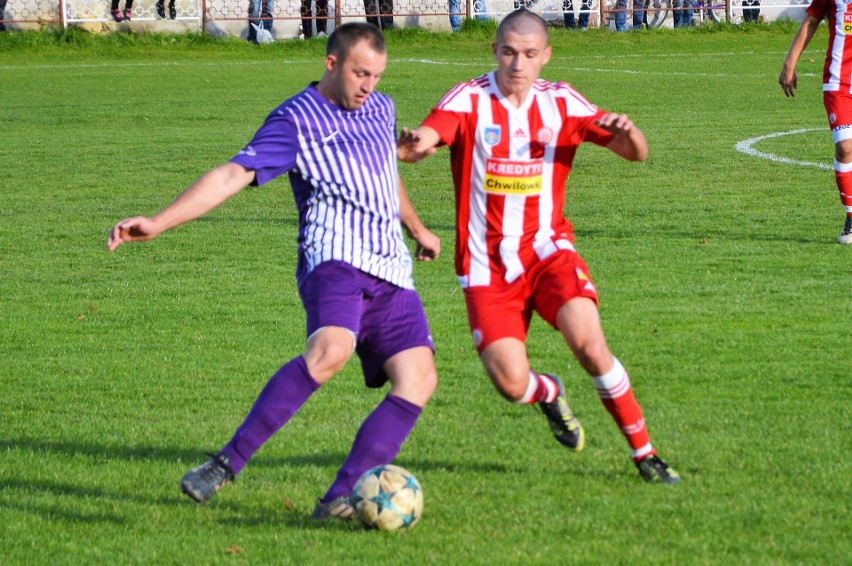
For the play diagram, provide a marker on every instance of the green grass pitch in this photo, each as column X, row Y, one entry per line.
column 723, row 292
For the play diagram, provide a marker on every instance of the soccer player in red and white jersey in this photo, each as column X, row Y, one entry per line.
column 836, row 88
column 512, row 138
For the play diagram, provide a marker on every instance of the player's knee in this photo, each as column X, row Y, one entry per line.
column 429, row 381
column 328, row 351
column 843, row 151
column 511, row 383
column 426, row 384
column 324, row 362
column 416, row 386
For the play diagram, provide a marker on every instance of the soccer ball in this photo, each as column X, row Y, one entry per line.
column 388, row 498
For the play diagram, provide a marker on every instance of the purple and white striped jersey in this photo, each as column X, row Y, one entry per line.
column 343, row 170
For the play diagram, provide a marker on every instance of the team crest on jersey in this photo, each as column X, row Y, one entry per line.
column 832, row 117
column 491, row 135
column 546, row 134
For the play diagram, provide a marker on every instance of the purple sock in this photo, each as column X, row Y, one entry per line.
column 378, row 442
column 284, row 394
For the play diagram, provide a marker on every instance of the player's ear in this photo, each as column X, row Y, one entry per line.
column 547, row 53
column 494, row 48
column 330, row 62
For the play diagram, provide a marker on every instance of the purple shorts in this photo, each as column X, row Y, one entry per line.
column 385, row 319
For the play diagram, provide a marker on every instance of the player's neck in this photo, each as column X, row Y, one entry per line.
column 325, row 89
column 515, row 99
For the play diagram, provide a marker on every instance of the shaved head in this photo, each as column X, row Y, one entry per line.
column 521, row 50
column 522, row 22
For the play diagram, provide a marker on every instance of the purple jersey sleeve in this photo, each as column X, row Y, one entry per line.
column 273, row 149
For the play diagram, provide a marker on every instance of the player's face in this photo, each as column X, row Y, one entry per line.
column 520, row 57
column 353, row 79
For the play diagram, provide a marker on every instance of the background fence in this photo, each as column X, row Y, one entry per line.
column 230, row 17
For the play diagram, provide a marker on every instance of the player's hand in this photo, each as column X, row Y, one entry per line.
column 788, row 81
column 616, row 124
column 428, row 245
column 136, row 229
column 411, row 147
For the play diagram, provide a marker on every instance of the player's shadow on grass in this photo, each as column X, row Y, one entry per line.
column 81, row 501
column 61, row 500
column 188, row 458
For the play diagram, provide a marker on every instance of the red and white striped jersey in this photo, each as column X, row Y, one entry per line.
column 510, row 166
column 837, row 72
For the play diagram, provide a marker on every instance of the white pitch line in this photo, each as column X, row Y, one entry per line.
column 484, row 63
column 745, row 146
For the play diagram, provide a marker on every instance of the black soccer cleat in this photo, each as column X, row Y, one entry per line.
column 563, row 424
column 338, row 508
column 203, row 482
column 161, row 9
column 846, row 235
column 653, row 469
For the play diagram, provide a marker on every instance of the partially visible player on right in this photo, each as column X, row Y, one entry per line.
column 836, row 88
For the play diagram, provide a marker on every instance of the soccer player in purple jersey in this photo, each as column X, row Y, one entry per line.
column 336, row 140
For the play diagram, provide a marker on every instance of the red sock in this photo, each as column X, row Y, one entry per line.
column 541, row 388
column 617, row 396
column 843, row 177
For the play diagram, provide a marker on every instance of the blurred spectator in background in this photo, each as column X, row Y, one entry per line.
column 307, row 18
column 260, row 14
column 480, row 7
column 752, row 12
column 161, row 9
column 682, row 17
column 117, row 15
column 568, row 14
column 2, row 16
column 638, row 14
column 373, row 9
column 455, row 15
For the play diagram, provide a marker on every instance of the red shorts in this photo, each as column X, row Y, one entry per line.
column 505, row 310
column 838, row 108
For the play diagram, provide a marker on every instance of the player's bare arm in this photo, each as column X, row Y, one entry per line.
column 212, row 189
column 629, row 141
column 788, row 79
column 428, row 244
column 415, row 145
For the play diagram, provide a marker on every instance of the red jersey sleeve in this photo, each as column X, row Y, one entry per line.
column 591, row 132
column 818, row 9
column 444, row 122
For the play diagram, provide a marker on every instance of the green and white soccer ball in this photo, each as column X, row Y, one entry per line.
column 388, row 498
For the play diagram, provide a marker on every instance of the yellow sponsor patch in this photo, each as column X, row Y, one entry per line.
column 511, row 177
column 847, row 24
